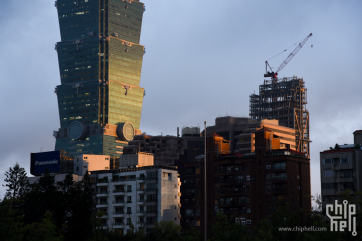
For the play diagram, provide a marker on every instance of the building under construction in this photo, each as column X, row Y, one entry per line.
column 285, row 100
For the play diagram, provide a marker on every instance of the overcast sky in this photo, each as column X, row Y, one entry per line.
column 203, row 60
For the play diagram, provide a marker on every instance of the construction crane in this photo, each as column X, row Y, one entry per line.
column 274, row 75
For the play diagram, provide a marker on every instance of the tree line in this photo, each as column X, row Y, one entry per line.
column 50, row 210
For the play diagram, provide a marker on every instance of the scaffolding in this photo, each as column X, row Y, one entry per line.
column 284, row 100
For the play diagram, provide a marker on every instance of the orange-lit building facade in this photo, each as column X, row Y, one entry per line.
column 247, row 188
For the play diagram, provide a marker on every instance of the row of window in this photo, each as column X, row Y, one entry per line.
column 336, row 160
column 343, row 186
column 342, row 174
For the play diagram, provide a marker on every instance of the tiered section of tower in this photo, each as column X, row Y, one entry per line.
column 100, row 61
column 284, row 100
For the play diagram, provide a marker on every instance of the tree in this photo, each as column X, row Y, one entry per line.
column 16, row 179
column 165, row 231
column 224, row 230
column 44, row 230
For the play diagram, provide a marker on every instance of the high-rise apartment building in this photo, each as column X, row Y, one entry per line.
column 141, row 195
column 100, row 62
column 284, row 100
column 341, row 170
column 247, row 188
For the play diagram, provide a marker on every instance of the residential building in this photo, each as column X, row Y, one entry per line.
column 137, row 194
column 249, row 187
column 341, row 170
column 168, row 150
column 100, row 61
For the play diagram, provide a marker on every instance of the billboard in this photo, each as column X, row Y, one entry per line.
column 42, row 161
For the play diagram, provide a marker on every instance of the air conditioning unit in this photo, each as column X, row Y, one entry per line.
column 268, row 166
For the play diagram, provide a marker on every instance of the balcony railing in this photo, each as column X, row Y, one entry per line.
column 118, row 212
column 141, row 200
column 118, row 201
column 140, row 189
column 102, row 180
column 279, row 178
column 118, row 190
column 151, row 189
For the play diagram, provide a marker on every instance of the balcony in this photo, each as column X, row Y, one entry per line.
column 328, row 192
column 129, row 190
column 141, row 178
column 141, row 200
column 102, row 182
column 102, row 194
column 118, row 213
column 140, row 189
column 281, row 189
column 151, row 200
column 118, row 225
column 151, row 211
column 101, row 204
column 121, row 191
column 118, row 203
column 279, row 178
column 151, row 189
column 141, row 212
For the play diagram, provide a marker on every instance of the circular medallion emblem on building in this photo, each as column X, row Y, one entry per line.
column 125, row 131
column 77, row 130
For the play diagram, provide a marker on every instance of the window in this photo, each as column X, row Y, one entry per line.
column 248, row 200
column 279, row 165
column 348, row 186
column 344, row 159
column 197, row 223
column 129, row 199
column 328, row 173
column 248, row 210
column 129, row 210
column 327, row 161
column 327, row 185
column 347, row 174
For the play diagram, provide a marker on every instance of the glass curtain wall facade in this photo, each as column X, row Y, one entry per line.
column 100, row 61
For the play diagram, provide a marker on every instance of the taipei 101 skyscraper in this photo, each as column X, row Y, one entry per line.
column 100, row 61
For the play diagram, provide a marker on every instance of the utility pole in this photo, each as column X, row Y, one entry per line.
column 205, row 204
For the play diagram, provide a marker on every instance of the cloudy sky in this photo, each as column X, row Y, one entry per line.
column 203, row 60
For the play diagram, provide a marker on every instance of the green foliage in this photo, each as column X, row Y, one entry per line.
column 15, row 182
column 10, row 224
column 224, row 230
column 44, row 230
column 165, row 231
